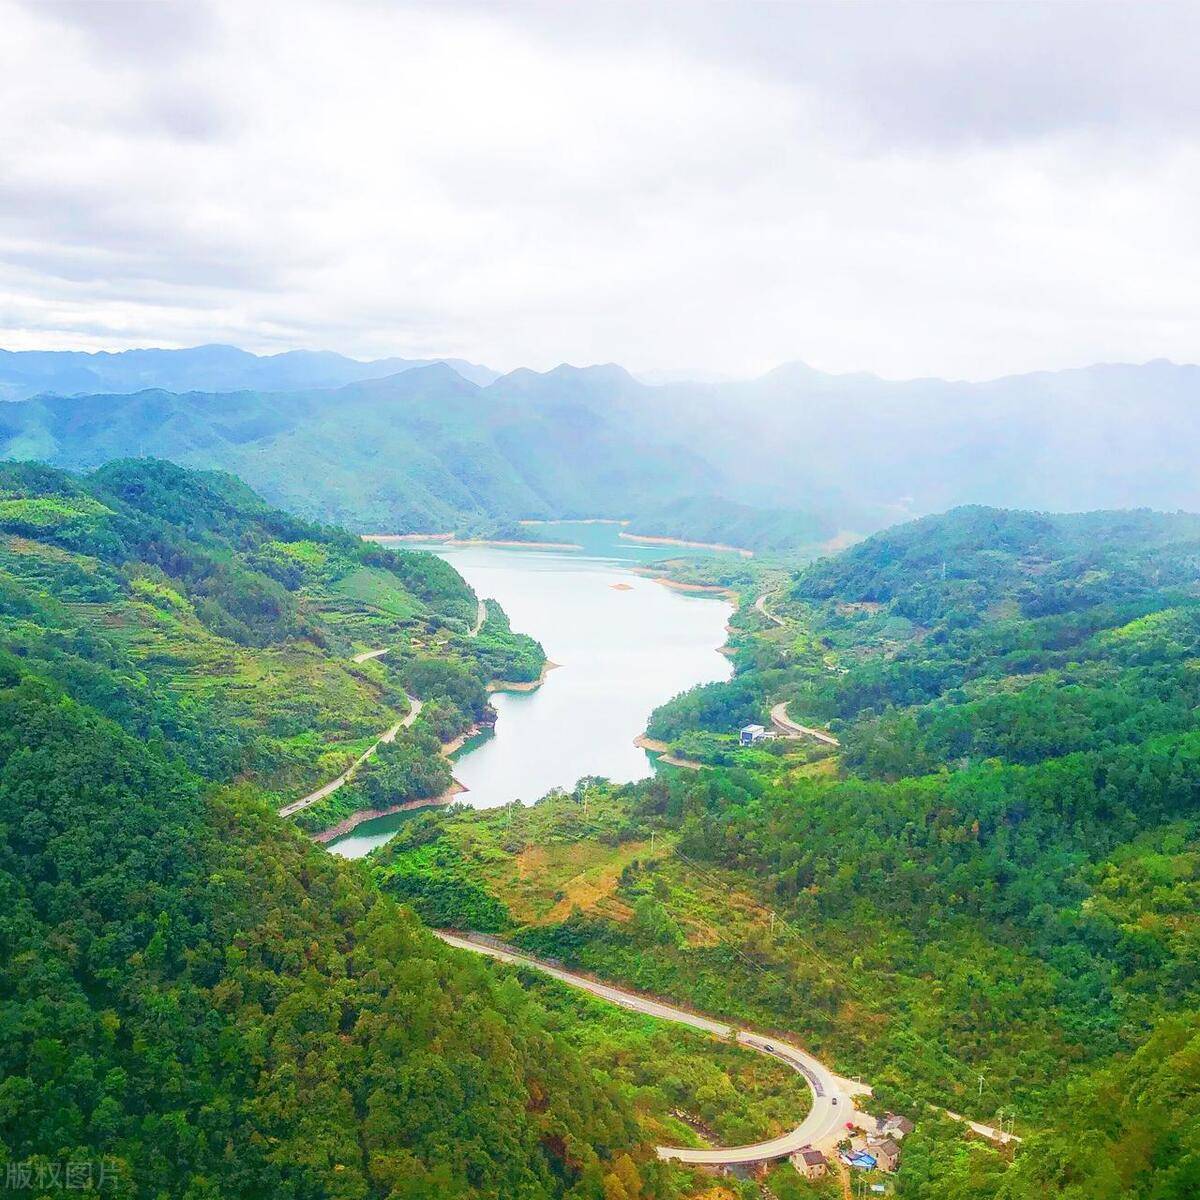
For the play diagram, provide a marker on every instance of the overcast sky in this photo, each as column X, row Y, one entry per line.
column 960, row 190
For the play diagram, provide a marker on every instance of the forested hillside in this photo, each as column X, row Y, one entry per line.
column 422, row 451
column 985, row 898
column 196, row 1002
column 190, row 611
column 785, row 462
column 876, row 451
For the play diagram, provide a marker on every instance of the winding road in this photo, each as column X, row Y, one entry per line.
column 332, row 786
column 833, row 1096
column 388, row 735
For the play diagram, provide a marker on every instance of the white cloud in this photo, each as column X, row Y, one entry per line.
column 954, row 190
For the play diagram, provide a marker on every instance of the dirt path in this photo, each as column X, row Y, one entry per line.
column 843, row 1177
column 367, row 655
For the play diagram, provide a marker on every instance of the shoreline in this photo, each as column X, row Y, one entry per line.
column 647, row 539
column 523, row 685
column 703, row 589
column 354, row 820
column 454, row 745
column 448, row 539
column 663, row 750
column 514, row 543
column 577, row 521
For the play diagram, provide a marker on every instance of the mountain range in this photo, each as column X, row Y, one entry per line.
column 216, row 368
column 790, row 459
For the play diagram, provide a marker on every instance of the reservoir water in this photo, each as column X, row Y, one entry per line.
column 623, row 644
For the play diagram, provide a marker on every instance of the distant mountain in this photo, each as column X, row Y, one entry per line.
column 876, row 451
column 420, row 451
column 747, row 462
column 27, row 373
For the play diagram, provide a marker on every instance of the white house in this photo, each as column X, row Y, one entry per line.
column 752, row 734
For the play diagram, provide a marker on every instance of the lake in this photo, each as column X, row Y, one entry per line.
column 623, row 644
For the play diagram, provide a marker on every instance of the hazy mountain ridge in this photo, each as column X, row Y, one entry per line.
column 427, row 449
column 213, row 368
column 414, row 452
column 877, row 451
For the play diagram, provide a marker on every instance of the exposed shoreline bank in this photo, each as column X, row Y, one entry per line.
column 354, row 820
column 642, row 539
column 700, row 589
column 448, row 539
column 577, row 521
column 523, row 685
column 647, row 539
column 663, row 750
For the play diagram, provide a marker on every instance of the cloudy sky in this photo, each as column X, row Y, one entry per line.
column 963, row 190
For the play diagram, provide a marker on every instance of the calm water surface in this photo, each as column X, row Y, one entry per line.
column 624, row 644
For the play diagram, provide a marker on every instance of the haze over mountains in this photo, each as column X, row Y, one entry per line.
column 215, row 368
column 401, row 445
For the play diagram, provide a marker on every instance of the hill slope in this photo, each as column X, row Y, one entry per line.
column 419, row 451
column 196, row 1001
column 984, row 898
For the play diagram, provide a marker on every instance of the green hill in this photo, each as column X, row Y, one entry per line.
column 196, row 1002
column 984, row 899
column 418, row 452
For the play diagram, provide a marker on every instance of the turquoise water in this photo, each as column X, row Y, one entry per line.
column 620, row 652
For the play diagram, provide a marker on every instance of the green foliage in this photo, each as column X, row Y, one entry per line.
column 997, row 877
column 502, row 654
column 446, row 679
column 435, row 882
column 214, row 1036
column 714, row 707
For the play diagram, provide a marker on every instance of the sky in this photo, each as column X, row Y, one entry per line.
column 962, row 190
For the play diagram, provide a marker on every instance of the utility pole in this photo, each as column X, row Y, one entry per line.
column 981, row 1085
column 772, row 921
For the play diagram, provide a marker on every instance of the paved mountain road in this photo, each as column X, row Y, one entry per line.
column 761, row 605
column 785, row 724
column 833, row 1097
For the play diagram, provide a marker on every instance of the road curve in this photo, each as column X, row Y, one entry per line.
column 366, row 655
column 332, row 786
column 784, row 723
column 833, row 1097
column 761, row 605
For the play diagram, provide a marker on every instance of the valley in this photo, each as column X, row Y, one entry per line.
column 956, row 859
